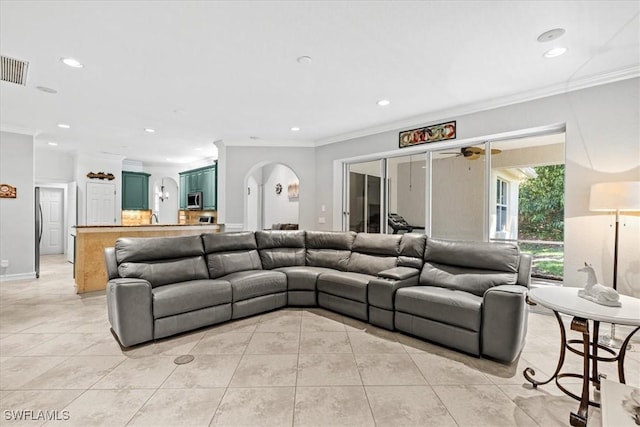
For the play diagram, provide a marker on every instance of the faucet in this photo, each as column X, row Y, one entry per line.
column 151, row 219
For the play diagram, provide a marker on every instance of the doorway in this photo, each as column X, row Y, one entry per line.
column 272, row 198
column 52, row 203
column 165, row 200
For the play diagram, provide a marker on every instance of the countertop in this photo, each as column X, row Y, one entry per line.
column 146, row 225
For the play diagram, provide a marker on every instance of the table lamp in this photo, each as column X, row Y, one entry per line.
column 619, row 197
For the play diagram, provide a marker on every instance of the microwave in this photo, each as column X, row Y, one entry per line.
column 194, row 200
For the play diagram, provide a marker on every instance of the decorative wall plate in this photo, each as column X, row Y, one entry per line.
column 8, row 191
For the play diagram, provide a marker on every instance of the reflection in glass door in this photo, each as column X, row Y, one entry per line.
column 407, row 193
column 458, row 193
column 365, row 197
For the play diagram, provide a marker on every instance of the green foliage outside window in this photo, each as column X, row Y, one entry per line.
column 541, row 205
column 541, row 218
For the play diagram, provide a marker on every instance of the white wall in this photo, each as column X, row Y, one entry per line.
column 52, row 165
column 602, row 134
column 236, row 164
column 254, row 213
column 17, row 217
column 278, row 208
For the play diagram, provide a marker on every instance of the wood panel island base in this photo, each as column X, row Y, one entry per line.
column 89, row 268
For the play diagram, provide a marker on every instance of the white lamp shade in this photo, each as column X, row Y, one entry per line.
column 615, row 196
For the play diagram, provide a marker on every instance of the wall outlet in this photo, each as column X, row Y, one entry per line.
column 322, row 220
column 4, row 263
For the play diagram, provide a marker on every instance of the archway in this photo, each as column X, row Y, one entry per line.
column 165, row 199
column 271, row 198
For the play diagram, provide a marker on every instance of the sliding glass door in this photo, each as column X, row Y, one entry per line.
column 466, row 192
column 365, row 197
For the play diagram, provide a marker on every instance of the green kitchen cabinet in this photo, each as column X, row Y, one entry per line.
column 202, row 180
column 183, row 191
column 135, row 190
column 209, row 187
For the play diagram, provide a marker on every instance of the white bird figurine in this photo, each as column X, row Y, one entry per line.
column 593, row 291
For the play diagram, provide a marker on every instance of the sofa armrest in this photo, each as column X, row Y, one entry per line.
column 111, row 263
column 381, row 291
column 504, row 321
column 399, row 273
column 130, row 310
column 524, row 270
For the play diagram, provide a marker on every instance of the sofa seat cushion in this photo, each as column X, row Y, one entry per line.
column 255, row 283
column 345, row 284
column 449, row 306
column 183, row 297
column 302, row 278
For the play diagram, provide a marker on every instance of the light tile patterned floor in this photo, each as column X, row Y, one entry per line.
column 288, row 367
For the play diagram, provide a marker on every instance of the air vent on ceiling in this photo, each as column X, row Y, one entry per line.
column 14, row 71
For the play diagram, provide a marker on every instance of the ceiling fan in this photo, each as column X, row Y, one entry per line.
column 473, row 153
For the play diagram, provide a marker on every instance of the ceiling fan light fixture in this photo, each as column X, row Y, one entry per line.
column 547, row 36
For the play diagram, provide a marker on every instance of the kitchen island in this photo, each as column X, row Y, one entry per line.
column 89, row 268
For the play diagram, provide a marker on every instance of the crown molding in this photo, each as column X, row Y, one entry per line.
column 452, row 113
column 19, row 129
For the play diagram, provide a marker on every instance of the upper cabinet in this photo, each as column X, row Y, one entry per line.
column 135, row 190
column 203, row 180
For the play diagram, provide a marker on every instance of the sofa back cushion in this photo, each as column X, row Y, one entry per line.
column 412, row 250
column 469, row 266
column 330, row 249
column 372, row 253
column 281, row 248
column 161, row 260
column 481, row 255
column 231, row 252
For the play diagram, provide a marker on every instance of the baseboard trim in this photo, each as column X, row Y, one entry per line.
column 21, row 276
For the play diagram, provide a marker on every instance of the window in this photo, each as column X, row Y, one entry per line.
column 502, row 201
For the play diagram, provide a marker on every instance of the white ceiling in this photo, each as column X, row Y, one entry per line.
column 202, row 71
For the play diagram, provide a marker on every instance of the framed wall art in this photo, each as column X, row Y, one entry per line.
column 424, row 135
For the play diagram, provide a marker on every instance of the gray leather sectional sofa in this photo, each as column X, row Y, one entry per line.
column 466, row 295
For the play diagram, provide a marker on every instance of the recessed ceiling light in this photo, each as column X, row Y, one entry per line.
column 149, row 130
column 304, row 60
column 198, row 148
column 63, row 126
column 547, row 36
column 556, row 51
column 72, row 62
column 53, row 144
column 295, row 129
column 384, row 102
column 255, row 138
column 46, row 89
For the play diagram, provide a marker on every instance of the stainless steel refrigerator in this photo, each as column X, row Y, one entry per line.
column 38, row 229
